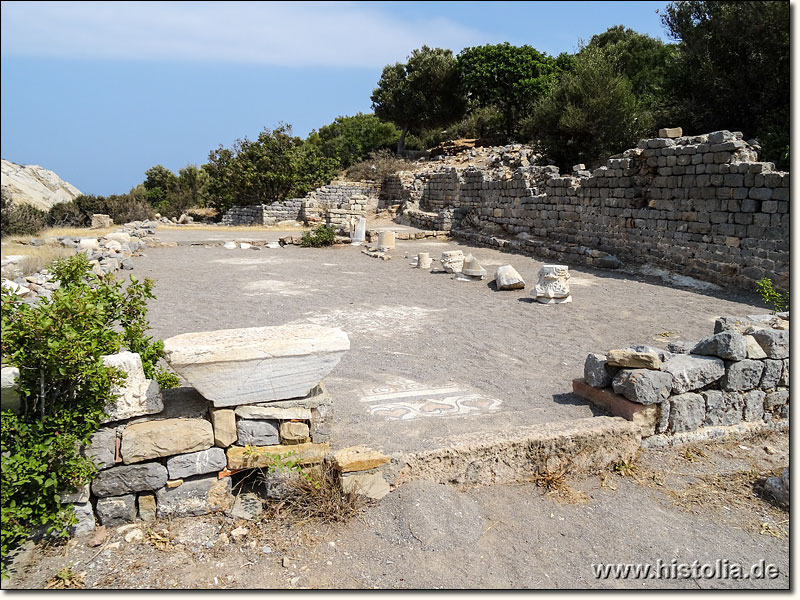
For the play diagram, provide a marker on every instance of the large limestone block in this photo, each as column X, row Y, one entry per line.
column 257, row 364
column 692, row 372
column 127, row 479
column 137, row 395
column 153, row 439
column 194, row 498
column 258, row 457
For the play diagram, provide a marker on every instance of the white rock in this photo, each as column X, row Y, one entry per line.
column 507, row 278
column 229, row 245
column 256, row 364
column 245, row 246
column 137, row 395
column 9, row 400
column 119, row 236
column 32, row 184
column 89, row 244
column 113, row 245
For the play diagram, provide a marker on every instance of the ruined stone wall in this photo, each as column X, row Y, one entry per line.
column 692, row 390
column 701, row 206
column 264, row 214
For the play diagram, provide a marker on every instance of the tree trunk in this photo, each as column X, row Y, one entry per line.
column 401, row 143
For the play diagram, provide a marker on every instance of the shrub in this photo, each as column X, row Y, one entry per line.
column 21, row 219
column 67, row 214
column 777, row 301
column 380, row 164
column 321, row 236
column 64, row 386
column 124, row 208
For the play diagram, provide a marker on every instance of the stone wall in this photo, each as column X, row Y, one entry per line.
column 697, row 389
column 702, row 206
column 334, row 204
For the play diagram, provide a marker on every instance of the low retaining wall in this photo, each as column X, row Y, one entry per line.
column 738, row 376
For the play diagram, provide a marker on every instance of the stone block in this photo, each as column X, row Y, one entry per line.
column 784, row 380
column 195, row 497
column 686, row 412
column 84, row 512
column 154, row 439
column 507, row 278
column 729, row 345
column 644, row 386
column 274, row 412
column 597, row 372
column 738, row 324
column 357, row 458
column 772, row 374
column 371, row 485
column 742, row 375
column 691, row 371
column 146, row 502
column 102, row 447
column 246, row 506
column 117, row 510
column 77, row 496
column 754, row 405
column 775, row 399
column 774, row 342
column 722, row 408
column 258, row 364
column 136, row 395
column 670, row 132
column 256, row 457
column 778, row 488
column 127, row 479
column 257, row 432
column 629, row 358
column 223, row 421
column 754, row 351
column 196, row 463
column 294, row 432
column 619, row 406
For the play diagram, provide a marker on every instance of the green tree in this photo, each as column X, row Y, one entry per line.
column 159, row 182
column 420, row 94
column 352, row 139
column 734, row 68
column 275, row 166
column 510, row 78
column 592, row 113
column 648, row 63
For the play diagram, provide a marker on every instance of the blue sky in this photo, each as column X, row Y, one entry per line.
column 101, row 91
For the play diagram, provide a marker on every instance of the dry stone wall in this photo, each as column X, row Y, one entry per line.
column 334, row 204
column 696, row 390
column 702, row 206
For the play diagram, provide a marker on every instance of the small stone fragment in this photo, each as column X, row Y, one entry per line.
column 507, row 278
column 116, row 510
column 371, row 485
column 294, row 432
column 357, row 458
column 597, row 372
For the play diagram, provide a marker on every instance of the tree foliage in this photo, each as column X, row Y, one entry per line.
column 64, row 387
column 510, row 78
column 591, row 113
column 275, row 166
column 419, row 94
column 20, row 219
column 733, row 68
column 351, row 139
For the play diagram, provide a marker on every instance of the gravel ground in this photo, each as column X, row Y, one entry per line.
column 430, row 356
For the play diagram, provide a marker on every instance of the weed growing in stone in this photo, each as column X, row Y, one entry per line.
column 321, row 236
column 777, row 301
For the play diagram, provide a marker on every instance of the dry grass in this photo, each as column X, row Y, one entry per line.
column 555, row 482
column 66, row 579
column 59, row 232
column 318, row 498
column 37, row 257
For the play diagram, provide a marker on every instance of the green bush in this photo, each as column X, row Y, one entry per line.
column 322, row 235
column 777, row 301
column 122, row 208
column 21, row 219
column 64, row 387
column 67, row 214
column 379, row 164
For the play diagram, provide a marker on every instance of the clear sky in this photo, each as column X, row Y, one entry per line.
column 100, row 91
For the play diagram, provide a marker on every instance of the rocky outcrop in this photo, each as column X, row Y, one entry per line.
column 35, row 185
